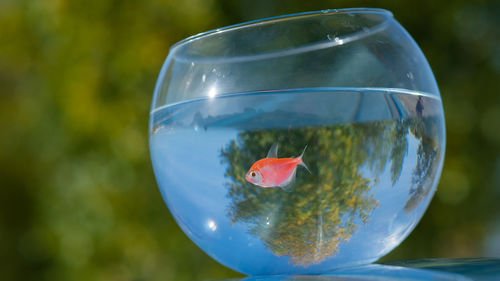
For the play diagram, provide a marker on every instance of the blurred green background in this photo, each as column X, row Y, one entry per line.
column 78, row 198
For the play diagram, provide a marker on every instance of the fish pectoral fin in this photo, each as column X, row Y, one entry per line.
column 273, row 152
column 287, row 185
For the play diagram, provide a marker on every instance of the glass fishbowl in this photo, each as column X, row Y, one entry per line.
column 298, row 144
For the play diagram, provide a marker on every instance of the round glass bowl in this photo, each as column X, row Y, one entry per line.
column 298, row 144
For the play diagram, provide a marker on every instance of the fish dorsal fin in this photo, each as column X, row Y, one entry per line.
column 273, row 152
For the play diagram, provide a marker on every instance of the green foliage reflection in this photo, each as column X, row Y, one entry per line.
column 324, row 208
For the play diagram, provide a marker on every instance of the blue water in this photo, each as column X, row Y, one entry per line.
column 375, row 157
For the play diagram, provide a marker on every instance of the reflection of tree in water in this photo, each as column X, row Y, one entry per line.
column 324, row 208
column 425, row 130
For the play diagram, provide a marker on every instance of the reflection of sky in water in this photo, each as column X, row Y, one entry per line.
column 386, row 223
column 199, row 202
column 187, row 162
column 210, row 225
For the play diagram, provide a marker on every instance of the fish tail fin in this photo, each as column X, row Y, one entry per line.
column 302, row 154
column 302, row 161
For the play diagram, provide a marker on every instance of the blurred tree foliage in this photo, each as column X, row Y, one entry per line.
column 78, row 198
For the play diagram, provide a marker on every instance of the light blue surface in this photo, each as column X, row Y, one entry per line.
column 464, row 269
column 372, row 272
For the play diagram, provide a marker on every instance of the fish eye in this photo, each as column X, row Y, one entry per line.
column 253, row 174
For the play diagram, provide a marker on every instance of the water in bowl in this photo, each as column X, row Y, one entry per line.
column 374, row 155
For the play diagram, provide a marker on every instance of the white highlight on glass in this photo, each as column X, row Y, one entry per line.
column 212, row 92
column 211, row 225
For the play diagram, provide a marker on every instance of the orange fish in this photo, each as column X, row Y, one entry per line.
column 273, row 171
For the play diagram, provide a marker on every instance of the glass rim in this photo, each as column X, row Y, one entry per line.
column 276, row 19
